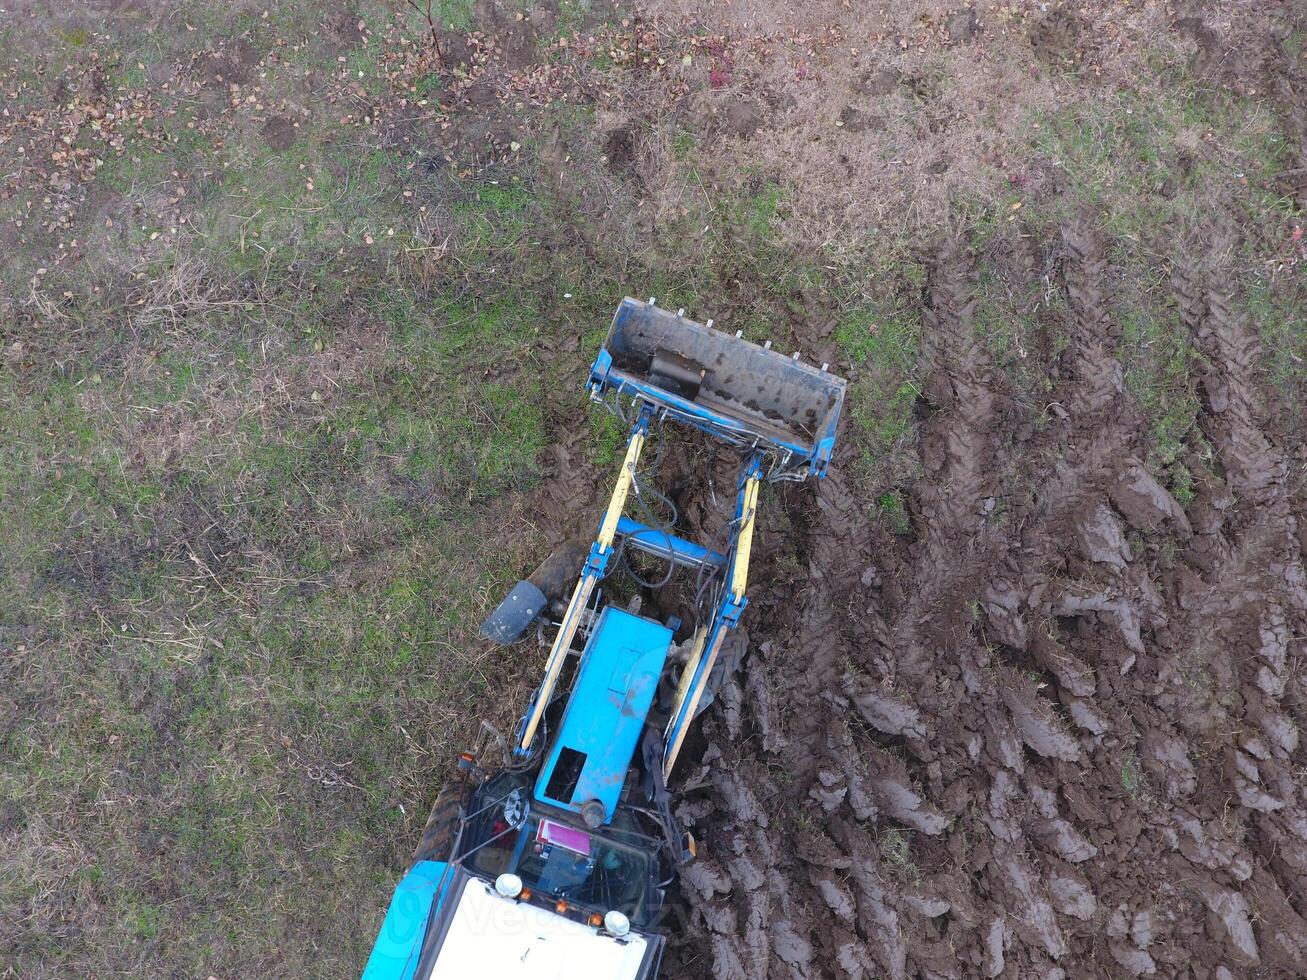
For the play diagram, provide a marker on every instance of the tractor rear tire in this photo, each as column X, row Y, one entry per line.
column 556, row 576
column 438, row 836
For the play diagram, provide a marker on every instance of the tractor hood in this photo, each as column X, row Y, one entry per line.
column 605, row 715
column 490, row 936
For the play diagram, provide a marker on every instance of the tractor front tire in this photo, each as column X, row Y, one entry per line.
column 438, row 836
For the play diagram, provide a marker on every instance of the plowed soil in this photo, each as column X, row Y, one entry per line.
column 1055, row 735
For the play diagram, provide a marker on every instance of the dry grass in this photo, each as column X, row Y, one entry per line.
column 885, row 126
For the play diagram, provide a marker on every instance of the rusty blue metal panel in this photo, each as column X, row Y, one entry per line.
column 601, row 725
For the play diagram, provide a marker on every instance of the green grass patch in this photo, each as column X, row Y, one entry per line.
column 1149, row 161
column 1130, row 775
column 884, row 348
column 1276, row 310
column 894, row 511
column 607, row 438
column 1160, row 362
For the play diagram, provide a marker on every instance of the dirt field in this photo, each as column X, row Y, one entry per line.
column 297, row 303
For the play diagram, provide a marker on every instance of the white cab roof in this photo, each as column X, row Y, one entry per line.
column 496, row 937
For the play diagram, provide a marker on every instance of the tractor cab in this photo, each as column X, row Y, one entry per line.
column 558, row 864
column 563, row 861
column 529, row 892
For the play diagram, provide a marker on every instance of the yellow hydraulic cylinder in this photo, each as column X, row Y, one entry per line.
column 739, row 584
column 669, row 758
column 608, row 529
column 744, row 543
column 584, row 589
column 687, row 672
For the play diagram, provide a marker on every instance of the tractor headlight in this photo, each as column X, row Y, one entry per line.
column 616, row 923
column 508, row 885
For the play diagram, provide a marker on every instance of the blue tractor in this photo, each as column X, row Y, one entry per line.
column 556, row 863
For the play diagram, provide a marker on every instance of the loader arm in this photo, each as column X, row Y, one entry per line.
column 595, row 568
column 782, row 412
column 699, row 668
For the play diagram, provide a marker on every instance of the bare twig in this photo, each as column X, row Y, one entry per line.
column 426, row 9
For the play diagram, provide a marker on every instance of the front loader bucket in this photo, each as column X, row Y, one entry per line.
column 727, row 386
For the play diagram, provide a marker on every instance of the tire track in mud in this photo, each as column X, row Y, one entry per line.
column 1098, row 375
column 957, row 493
column 1061, row 747
column 1085, row 612
column 1246, row 616
column 800, row 888
column 742, row 893
column 1253, row 469
column 570, row 483
column 1028, row 692
column 1099, row 424
column 1104, row 494
column 959, row 395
